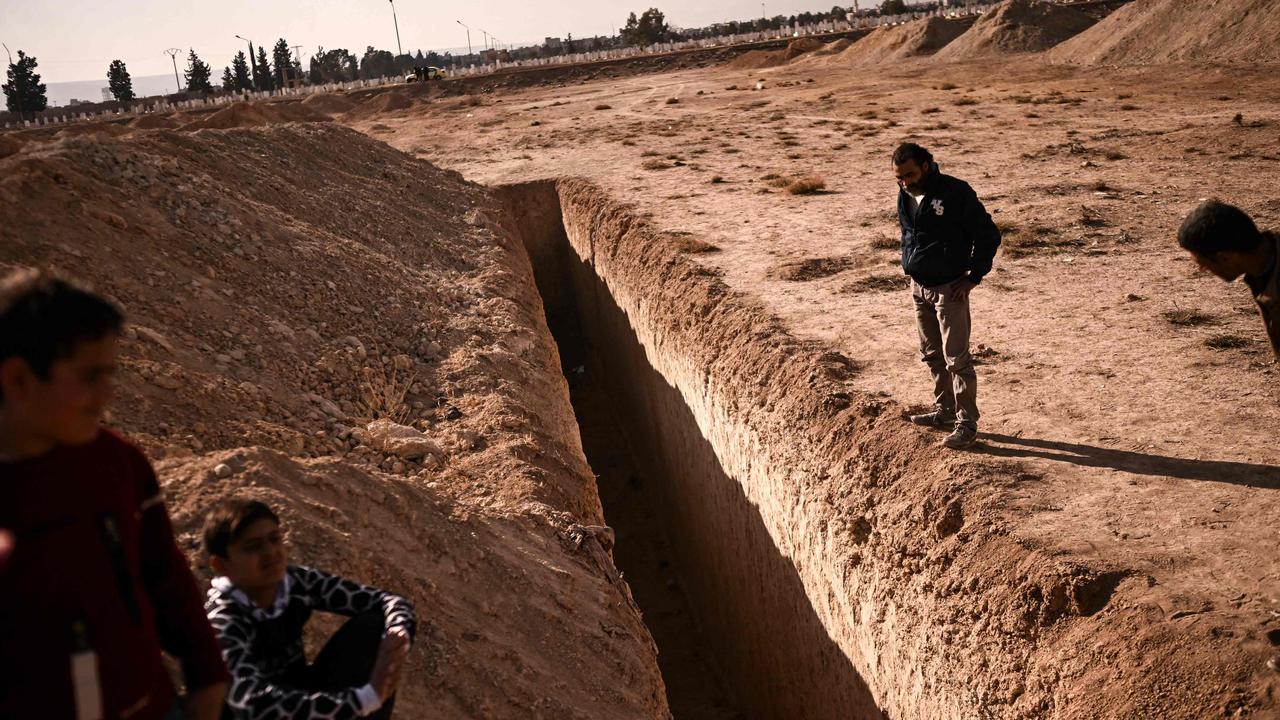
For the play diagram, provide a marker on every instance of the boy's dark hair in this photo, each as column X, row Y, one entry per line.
column 43, row 318
column 912, row 151
column 229, row 518
column 1216, row 226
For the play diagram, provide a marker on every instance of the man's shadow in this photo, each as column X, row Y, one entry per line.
column 1236, row 473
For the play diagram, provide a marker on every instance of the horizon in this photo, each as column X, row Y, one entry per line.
column 78, row 41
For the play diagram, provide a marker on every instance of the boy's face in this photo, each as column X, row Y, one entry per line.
column 258, row 558
column 66, row 408
column 1226, row 264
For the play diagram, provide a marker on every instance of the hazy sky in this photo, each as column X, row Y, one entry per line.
column 77, row 39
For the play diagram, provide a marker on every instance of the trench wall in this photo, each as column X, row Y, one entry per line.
column 831, row 557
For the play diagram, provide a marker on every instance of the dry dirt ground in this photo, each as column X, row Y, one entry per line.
column 1108, row 550
column 1139, row 394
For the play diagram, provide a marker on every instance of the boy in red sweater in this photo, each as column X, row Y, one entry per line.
column 92, row 585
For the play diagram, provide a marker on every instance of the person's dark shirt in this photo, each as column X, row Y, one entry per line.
column 949, row 235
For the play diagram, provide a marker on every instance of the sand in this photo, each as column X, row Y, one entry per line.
column 1160, row 31
column 1017, row 26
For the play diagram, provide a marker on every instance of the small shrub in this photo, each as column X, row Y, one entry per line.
column 1127, row 107
column 806, row 185
column 650, row 153
column 965, row 101
column 655, row 164
column 1188, row 318
column 948, row 86
column 1226, row 341
column 1238, row 119
column 886, row 242
column 604, row 106
column 672, row 101
column 877, row 283
column 716, row 179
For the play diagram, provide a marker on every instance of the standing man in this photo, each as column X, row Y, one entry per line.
column 1224, row 241
column 948, row 243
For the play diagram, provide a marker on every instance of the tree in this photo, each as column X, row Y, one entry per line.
column 649, row 28
column 228, row 80
column 329, row 66
column 282, row 61
column 240, row 73
column 893, row 7
column 262, row 71
column 119, row 81
column 198, row 74
column 377, row 63
column 24, row 93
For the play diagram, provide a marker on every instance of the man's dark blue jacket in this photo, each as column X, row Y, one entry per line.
column 950, row 235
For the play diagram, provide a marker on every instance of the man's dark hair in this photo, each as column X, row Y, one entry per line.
column 43, row 319
column 1216, row 226
column 912, row 151
column 229, row 519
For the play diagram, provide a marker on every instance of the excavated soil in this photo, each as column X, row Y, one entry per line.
column 795, row 547
column 1017, row 26
column 279, row 282
column 900, row 42
column 1162, row 31
column 1107, row 551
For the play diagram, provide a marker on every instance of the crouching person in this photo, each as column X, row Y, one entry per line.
column 259, row 605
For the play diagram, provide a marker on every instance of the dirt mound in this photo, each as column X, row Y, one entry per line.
column 1018, row 26
column 833, row 48
column 899, row 42
column 10, row 144
column 154, row 122
column 1156, row 31
column 287, row 284
column 386, row 102
column 329, row 103
column 246, row 114
column 759, row 59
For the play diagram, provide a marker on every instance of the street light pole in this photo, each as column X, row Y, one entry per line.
column 397, row 24
column 173, row 55
column 486, row 38
column 253, row 63
column 468, row 35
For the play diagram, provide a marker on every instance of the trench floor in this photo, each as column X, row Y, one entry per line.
column 695, row 688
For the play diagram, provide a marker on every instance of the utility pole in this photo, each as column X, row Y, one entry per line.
column 297, row 58
column 486, row 38
column 397, row 24
column 173, row 55
column 468, row 36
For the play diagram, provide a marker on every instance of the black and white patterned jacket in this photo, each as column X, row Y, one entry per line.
column 260, row 646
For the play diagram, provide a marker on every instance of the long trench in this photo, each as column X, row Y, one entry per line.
column 736, row 634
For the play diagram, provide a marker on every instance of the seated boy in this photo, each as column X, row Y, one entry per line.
column 92, row 585
column 259, row 605
column 1224, row 241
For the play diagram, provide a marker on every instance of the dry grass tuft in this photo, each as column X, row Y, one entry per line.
column 1226, row 341
column 888, row 282
column 604, row 106
column 655, row 164
column 806, row 185
column 672, row 101
column 1188, row 318
column 381, row 395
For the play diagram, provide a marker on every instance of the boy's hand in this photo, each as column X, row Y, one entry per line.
column 206, row 703
column 391, row 657
column 6, row 547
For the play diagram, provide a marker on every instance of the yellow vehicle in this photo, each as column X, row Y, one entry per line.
column 424, row 74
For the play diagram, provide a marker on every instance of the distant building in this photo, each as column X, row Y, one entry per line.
column 106, row 95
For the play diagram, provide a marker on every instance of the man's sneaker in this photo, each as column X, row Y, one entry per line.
column 962, row 437
column 936, row 419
